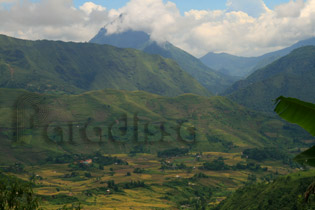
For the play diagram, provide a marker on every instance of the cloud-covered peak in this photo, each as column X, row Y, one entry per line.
column 151, row 16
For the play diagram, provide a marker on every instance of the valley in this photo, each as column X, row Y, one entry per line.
column 140, row 125
column 106, row 149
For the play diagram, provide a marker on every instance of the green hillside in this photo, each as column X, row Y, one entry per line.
column 49, row 66
column 117, row 120
column 282, row 193
column 290, row 76
column 214, row 81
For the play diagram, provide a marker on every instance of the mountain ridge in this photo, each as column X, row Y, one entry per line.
column 77, row 67
column 215, row 82
column 292, row 76
column 244, row 66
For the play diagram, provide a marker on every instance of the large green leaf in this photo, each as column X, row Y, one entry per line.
column 296, row 111
column 303, row 114
column 307, row 157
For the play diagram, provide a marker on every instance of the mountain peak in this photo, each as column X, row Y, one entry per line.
column 127, row 39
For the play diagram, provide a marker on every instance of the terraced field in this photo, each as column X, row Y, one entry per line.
column 162, row 188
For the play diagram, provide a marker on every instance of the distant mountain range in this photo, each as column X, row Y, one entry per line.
column 214, row 81
column 66, row 67
column 244, row 66
column 292, row 76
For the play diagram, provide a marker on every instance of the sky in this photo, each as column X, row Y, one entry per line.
column 239, row 27
column 182, row 5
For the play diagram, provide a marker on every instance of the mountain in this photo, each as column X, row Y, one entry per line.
column 230, row 64
column 117, row 120
column 128, row 39
column 291, row 76
column 244, row 66
column 45, row 66
column 212, row 80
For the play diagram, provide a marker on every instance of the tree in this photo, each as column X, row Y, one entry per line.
column 15, row 194
column 215, row 165
column 303, row 114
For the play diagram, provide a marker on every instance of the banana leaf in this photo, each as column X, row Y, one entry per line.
column 303, row 114
column 298, row 112
column 307, row 157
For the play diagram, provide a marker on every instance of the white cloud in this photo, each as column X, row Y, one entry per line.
column 51, row 19
column 290, row 9
column 253, row 8
column 246, row 27
column 89, row 7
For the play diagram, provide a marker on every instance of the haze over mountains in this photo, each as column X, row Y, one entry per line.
column 45, row 66
column 292, row 76
column 244, row 66
column 214, row 81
